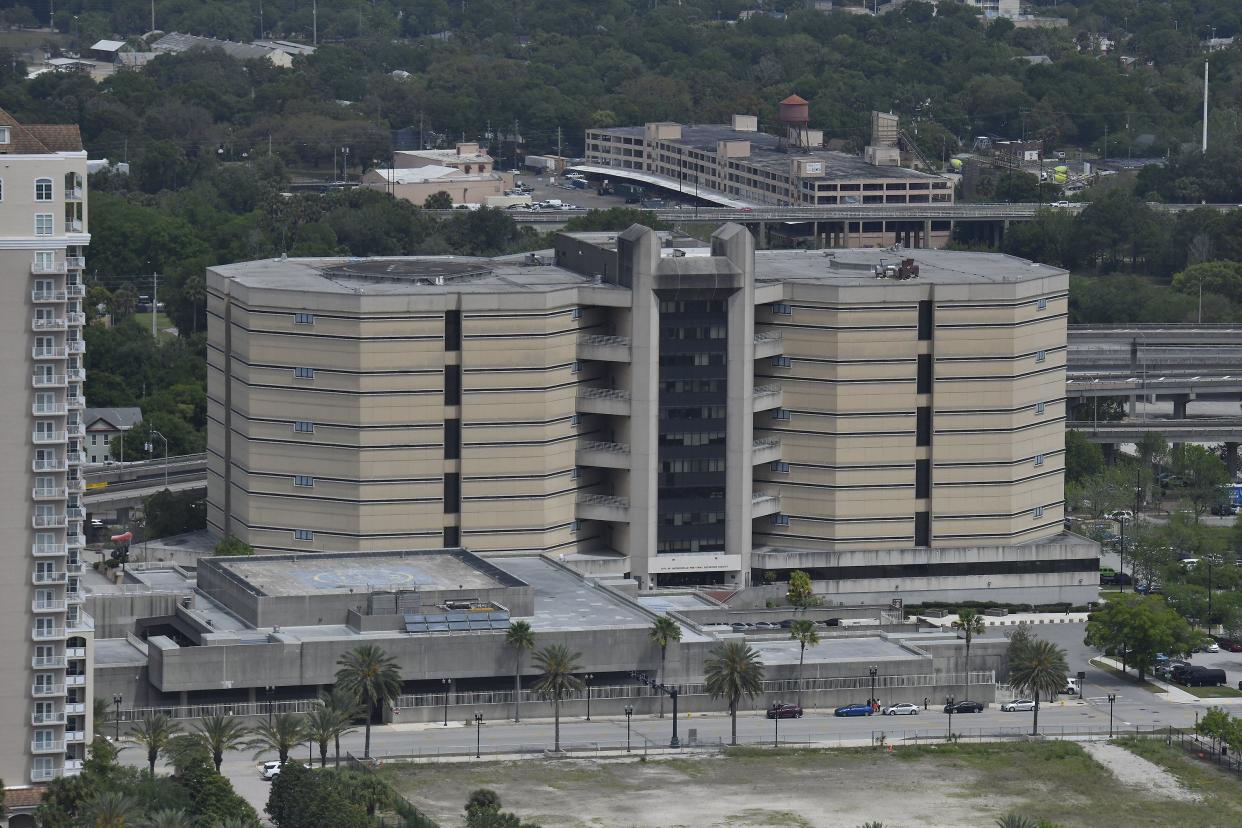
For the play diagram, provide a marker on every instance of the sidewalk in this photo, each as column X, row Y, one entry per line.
column 1172, row 692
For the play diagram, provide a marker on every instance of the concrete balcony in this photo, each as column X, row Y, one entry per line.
column 45, row 438
column 604, row 401
column 75, row 652
column 76, row 375
column 48, row 634
column 53, row 605
column 38, row 268
column 74, row 194
column 765, row 451
column 82, row 623
column 47, row 577
column 74, row 568
column 75, row 681
column 40, row 297
column 76, row 400
column 41, row 324
column 604, row 507
column 45, row 746
column 763, row 504
column 52, row 409
column 75, row 596
column 75, row 708
column 75, row 736
column 47, row 550
column 603, row 455
column 75, row 539
column 75, row 262
column 49, row 352
column 75, row 290
column 51, row 493
column 767, row 397
column 73, row 767
column 42, row 380
column 75, row 226
column 47, row 521
column 76, row 346
column 56, row 464
column 76, row 429
column 75, row 458
column 57, row 717
column 75, row 512
column 769, row 344
column 48, row 662
column 76, row 485
column 76, row 318
column 44, row 774
column 604, row 348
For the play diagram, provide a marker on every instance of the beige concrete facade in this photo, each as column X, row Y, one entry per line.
column 711, row 415
column 45, row 637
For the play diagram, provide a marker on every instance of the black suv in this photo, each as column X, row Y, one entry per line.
column 964, row 707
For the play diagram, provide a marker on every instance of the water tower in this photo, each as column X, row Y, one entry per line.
column 795, row 117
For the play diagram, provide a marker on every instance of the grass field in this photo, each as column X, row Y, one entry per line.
column 162, row 322
column 1213, row 692
column 951, row 786
column 1113, row 671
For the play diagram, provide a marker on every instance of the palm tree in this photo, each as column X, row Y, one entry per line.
column 1016, row 821
column 1039, row 668
column 284, row 733
column 803, row 631
column 372, row 676
column 219, row 734
column 971, row 623
column 733, row 670
column 346, row 704
column 99, row 716
column 154, row 732
column 168, row 818
column 520, row 638
column 235, row 822
column 663, row 632
column 124, row 300
column 194, row 291
column 110, row 809
column 326, row 723
column 558, row 666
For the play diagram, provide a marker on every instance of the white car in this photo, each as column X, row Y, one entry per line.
column 901, row 709
column 1018, row 706
column 269, row 770
column 1211, row 647
column 1122, row 514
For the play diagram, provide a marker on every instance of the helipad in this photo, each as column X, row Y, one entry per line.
column 360, row 573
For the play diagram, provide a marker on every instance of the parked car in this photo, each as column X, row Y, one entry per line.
column 1230, row 645
column 1121, row 514
column 964, row 707
column 901, row 709
column 1224, row 509
column 859, row 709
column 1018, row 706
column 787, row 623
column 784, row 711
column 1201, row 677
column 269, row 770
column 1210, row 646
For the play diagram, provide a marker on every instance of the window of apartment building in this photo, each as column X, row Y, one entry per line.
column 4, row 135
column 576, row 313
column 922, row 529
column 304, row 481
column 452, row 330
column 925, row 320
column 1039, row 407
column 782, row 414
column 782, row 309
column 43, row 189
column 452, row 385
column 1039, row 460
column 303, row 535
column 922, row 478
column 573, row 527
column 1040, row 356
column 574, row 367
column 304, row 373
column 779, row 519
column 44, row 224
column 304, row 318
column 782, row 362
column 1042, row 304
column 1038, row 512
column 574, row 473
column 922, row 426
column 44, row 259
column 304, row 427
column 780, row 467
column 924, row 383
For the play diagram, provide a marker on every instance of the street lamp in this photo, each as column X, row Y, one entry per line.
column 478, row 735
column 871, row 671
column 629, row 712
column 1121, row 545
column 149, row 446
column 446, row 683
column 776, row 724
column 1112, row 697
column 671, row 692
column 586, row 679
column 116, row 699
column 1210, row 560
column 948, row 703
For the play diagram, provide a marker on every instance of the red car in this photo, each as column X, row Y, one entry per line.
column 1230, row 644
column 784, row 711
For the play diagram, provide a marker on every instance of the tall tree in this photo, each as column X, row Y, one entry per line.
column 520, row 638
column 153, row 732
column 1039, row 670
column 111, row 809
column 799, row 593
column 282, row 735
column 1137, row 627
column 664, row 631
column 1205, row 475
column 804, row 632
column 219, row 734
column 349, row 708
column 371, row 675
column 970, row 623
column 325, row 724
column 557, row 665
column 732, row 672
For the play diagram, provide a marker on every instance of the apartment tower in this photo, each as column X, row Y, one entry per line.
column 45, row 637
column 890, row 421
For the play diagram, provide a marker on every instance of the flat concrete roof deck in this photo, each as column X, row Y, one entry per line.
column 855, row 267
column 833, row 650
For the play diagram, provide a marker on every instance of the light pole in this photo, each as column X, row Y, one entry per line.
column 949, row 706
column 871, row 671
column 1112, row 697
column 155, row 433
column 586, row 679
column 446, row 683
column 776, row 724
column 478, row 735
column 671, row 692
column 116, row 733
column 1211, row 560
column 629, row 712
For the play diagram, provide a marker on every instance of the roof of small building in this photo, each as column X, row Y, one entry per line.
column 794, row 100
column 108, row 46
column 35, row 139
column 449, row 156
column 118, row 418
column 178, row 42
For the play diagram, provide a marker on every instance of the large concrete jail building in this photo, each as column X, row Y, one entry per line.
column 890, row 421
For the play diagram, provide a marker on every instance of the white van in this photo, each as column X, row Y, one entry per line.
column 1071, row 686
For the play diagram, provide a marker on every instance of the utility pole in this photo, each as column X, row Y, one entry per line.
column 155, row 301
column 260, row 19
column 314, row 22
column 152, row 15
column 558, row 143
column 1205, row 103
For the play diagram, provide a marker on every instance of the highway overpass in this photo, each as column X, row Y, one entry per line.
column 127, row 485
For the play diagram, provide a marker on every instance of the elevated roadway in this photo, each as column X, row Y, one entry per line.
column 127, row 485
column 1192, row 430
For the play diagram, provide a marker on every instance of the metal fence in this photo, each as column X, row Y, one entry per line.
column 199, row 711
column 1203, row 748
column 635, row 691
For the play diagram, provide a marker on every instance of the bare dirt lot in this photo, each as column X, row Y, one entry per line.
column 946, row 786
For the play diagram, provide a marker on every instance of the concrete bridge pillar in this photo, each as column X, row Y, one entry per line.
column 927, row 243
column 1231, row 459
column 1179, row 406
column 1110, row 452
column 1134, row 367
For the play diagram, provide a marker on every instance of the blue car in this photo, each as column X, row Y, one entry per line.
column 853, row 710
